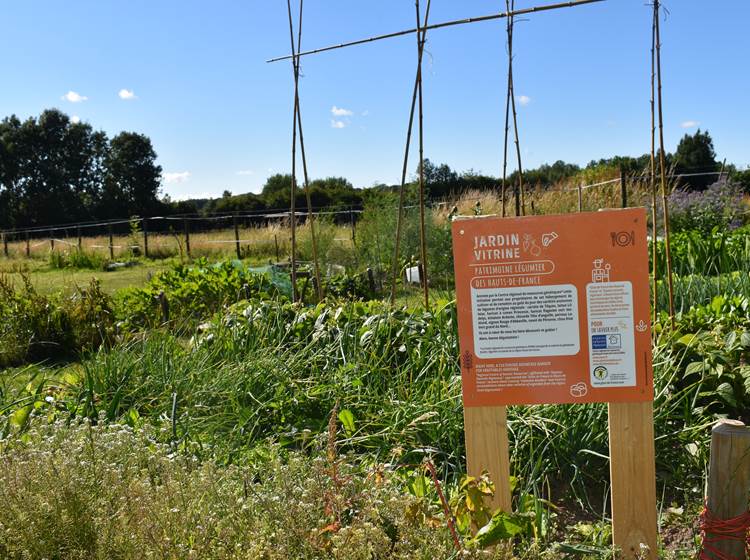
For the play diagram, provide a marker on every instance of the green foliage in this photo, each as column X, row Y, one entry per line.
column 695, row 153
column 192, row 293
column 78, row 260
column 37, row 327
column 719, row 251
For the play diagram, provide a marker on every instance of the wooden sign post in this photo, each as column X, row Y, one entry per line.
column 555, row 309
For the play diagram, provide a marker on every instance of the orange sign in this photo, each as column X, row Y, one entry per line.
column 554, row 309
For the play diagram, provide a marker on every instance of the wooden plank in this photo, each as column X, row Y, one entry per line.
column 633, row 476
column 728, row 481
column 486, row 430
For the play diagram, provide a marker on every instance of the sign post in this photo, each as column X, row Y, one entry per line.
column 555, row 309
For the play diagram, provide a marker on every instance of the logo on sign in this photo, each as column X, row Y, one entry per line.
column 600, row 372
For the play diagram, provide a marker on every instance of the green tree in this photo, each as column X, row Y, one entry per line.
column 276, row 191
column 133, row 178
column 695, row 154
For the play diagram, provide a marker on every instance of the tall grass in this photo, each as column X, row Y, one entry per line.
column 274, row 371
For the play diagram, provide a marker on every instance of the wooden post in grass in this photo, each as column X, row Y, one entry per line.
column 164, row 304
column 51, row 240
column 111, row 243
column 276, row 245
column 28, row 246
column 580, row 198
column 186, row 226
column 623, row 188
column 145, row 237
column 633, row 478
column 237, row 236
column 5, row 245
column 486, row 432
column 728, row 487
column 80, row 240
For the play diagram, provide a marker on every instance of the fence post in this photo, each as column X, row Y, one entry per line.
column 5, row 245
column 237, row 236
column 111, row 243
column 580, row 198
column 80, row 240
column 623, row 188
column 28, row 246
column 51, row 240
column 276, row 244
column 186, row 225
column 728, row 486
column 353, row 226
column 145, row 236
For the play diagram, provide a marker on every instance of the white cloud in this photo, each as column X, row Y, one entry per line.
column 189, row 195
column 179, row 177
column 126, row 94
column 523, row 100
column 340, row 112
column 338, row 124
column 74, row 97
column 75, row 119
column 246, row 172
column 689, row 124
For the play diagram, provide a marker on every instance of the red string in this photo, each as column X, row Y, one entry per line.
column 715, row 530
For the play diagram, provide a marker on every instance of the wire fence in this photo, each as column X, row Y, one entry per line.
column 153, row 235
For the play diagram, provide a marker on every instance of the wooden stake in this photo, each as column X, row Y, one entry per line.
column 570, row 4
column 395, row 272
column 503, row 189
column 422, row 233
column 310, row 216
column 237, row 236
column 51, row 240
column 293, row 185
column 80, row 238
column 486, row 432
column 5, row 245
column 652, row 177
column 145, row 237
column 520, row 205
column 28, row 246
column 663, row 169
column 728, row 481
column 623, row 189
column 111, row 243
column 633, row 477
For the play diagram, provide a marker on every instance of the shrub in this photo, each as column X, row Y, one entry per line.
column 194, row 292
column 720, row 206
column 37, row 327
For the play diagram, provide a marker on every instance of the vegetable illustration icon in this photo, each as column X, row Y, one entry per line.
column 579, row 390
column 548, row 238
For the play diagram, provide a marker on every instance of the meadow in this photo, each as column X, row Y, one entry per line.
column 241, row 425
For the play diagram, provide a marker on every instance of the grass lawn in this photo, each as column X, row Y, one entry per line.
column 47, row 279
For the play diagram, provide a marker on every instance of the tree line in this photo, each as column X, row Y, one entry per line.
column 54, row 170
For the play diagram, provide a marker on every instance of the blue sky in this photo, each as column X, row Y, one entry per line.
column 192, row 76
